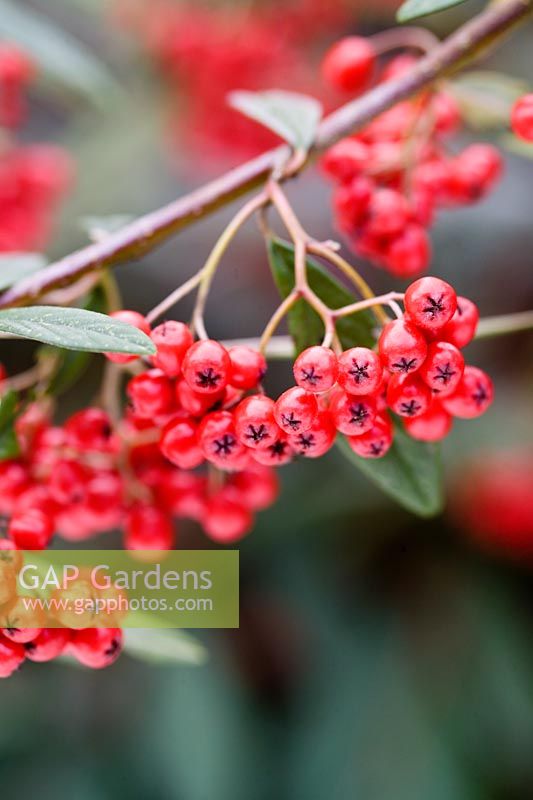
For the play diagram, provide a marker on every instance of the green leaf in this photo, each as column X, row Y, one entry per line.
column 75, row 329
column 292, row 116
column 164, row 646
column 9, row 447
column 410, row 473
column 16, row 266
column 486, row 97
column 305, row 325
column 413, row 9
column 64, row 60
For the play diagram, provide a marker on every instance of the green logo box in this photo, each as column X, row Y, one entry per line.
column 119, row 588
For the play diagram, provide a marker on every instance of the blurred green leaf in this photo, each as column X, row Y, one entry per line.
column 413, row 9
column 410, row 473
column 517, row 146
column 305, row 325
column 164, row 646
column 16, row 266
column 63, row 59
column 75, row 329
column 292, row 116
column 9, row 447
column 486, row 97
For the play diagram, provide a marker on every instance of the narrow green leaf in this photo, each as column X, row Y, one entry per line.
column 9, row 446
column 292, row 116
column 75, row 329
column 64, row 60
column 16, row 266
column 413, row 9
column 305, row 325
column 410, row 473
column 8, row 405
column 164, row 646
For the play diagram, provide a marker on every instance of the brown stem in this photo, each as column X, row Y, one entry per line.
column 147, row 232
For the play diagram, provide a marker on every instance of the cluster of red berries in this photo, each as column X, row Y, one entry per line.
column 395, row 173
column 33, row 178
column 206, row 50
column 21, row 640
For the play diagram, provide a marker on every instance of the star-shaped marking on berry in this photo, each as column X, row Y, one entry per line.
column 359, row 414
column 277, row 449
column 291, row 421
column 405, row 365
column 435, row 306
column 311, row 376
column 256, row 433
column 410, row 409
column 359, row 372
column 480, row 395
column 444, row 374
column 207, row 378
column 225, row 445
column 306, row 440
column 376, row 448
column 114, row 646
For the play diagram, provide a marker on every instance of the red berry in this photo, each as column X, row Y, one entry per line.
column 461, row 329
column 206, row 367
column 179, row 444
column 248, row 367
column 316, row 369
column 402, row 347
column 88, row 430
column 254, row 422
column 131, row 318
column 408, row 395
column 31, row 530
column 218, row 439
column 194, row 403
column 351, row 201
column 49, row 644
column 443, row 368
column 172, row 340
column 522, row 118
column 276, row 454
column 473, row 395
column 97, row 647
column 151, row 394
column 360, row 371
column 225, row 520
column 14, row 479
column 430, row 303
column 409, row 253
column 258, row 486
column 67, row 483
column 346, row 160
column 148, row 528
column 432, row 426
column 352, row 415
column 318, row 439
column 474, row 172
column 349, row 64
column 11, row 657
column 388, row 213
column 376, row 442
column 295, row 410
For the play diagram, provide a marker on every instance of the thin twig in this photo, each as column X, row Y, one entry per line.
column 507, row 323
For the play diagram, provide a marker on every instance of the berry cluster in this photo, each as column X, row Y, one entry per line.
column 522, row 118
column 33, row 178
column 395, row 173
column 252, row 46
column 92, row 647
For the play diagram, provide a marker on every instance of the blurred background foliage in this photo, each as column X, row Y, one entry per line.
column 379, row 656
